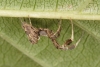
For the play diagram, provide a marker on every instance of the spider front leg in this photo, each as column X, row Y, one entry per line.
column 57, row 33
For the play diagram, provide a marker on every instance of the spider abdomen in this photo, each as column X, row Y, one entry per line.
column 31, row 32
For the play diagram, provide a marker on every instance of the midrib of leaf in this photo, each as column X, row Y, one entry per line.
column 47, row 14
column 11, row 41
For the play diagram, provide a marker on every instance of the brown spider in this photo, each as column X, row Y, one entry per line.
column 35, row 33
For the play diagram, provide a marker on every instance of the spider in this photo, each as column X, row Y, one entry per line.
column 35, row 33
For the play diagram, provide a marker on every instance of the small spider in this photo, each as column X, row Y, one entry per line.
column 35, row 33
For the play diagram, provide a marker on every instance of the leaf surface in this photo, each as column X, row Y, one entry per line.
column 17, row 51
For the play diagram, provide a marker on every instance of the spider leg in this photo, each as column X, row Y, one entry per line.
column 56, row 43
column 29, row 19
column 72, row 36
column 79, row 39
column 57, row 33
column 22, row 21
column 62, row 47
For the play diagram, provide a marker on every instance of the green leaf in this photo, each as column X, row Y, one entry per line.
column 17, row 51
